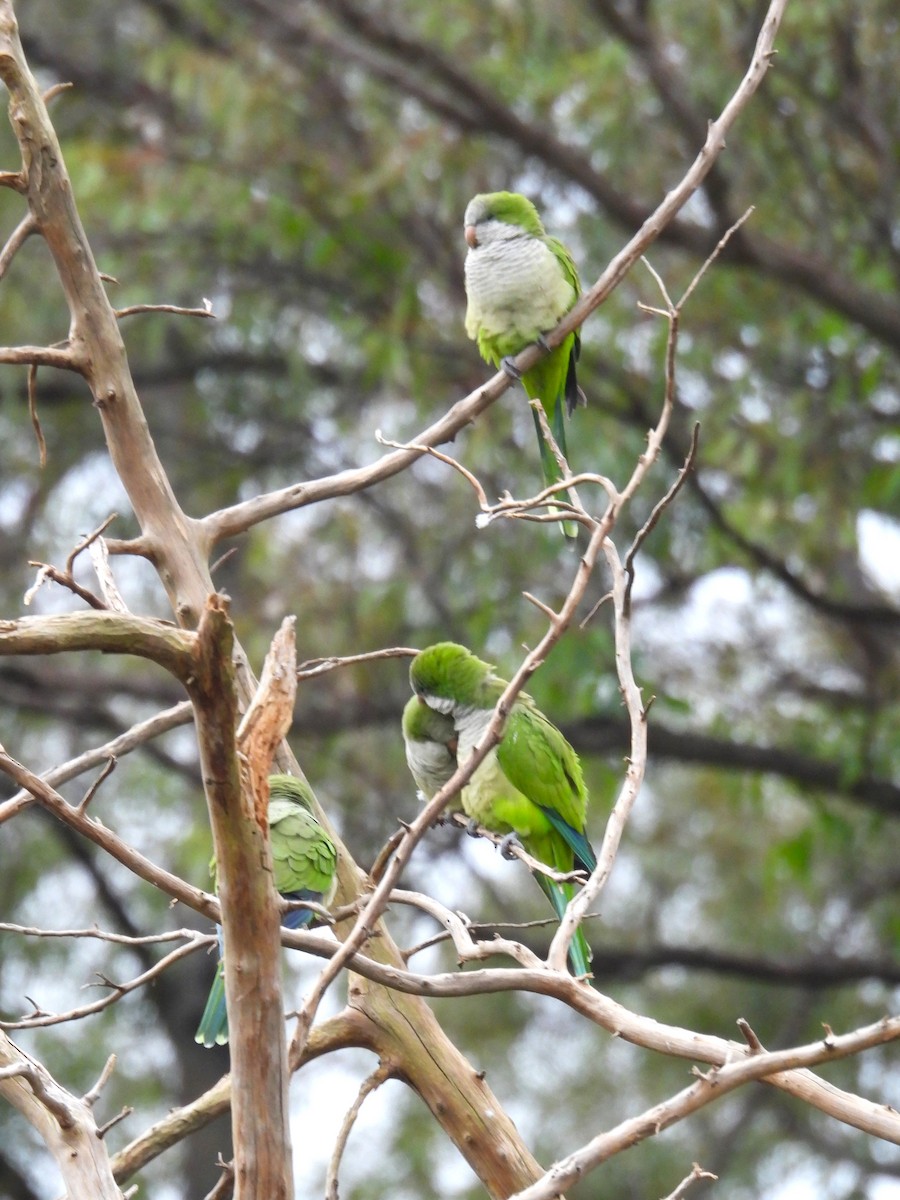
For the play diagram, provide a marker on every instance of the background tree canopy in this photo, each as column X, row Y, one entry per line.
column 306, row 167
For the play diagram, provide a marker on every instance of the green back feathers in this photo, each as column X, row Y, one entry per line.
column 303, row 855
column 539, row 762
column 304, row 859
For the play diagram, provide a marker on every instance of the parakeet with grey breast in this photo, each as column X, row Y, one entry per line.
column 520, row 282
column 530, row 784
column 430, row 739
column 303, row 861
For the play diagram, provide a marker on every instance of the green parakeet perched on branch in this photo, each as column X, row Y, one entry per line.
column 529, row 785
column 430, row 739
column 519, row 284
column 303, row 861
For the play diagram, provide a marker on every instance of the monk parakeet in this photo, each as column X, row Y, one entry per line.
column 530, row 784
column 303, row 861
column 430, row 739
column 519, row 284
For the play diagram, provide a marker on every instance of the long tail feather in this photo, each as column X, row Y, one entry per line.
column 213, row 1027
column 585, row 858
column 559, row 895
column 550, row 467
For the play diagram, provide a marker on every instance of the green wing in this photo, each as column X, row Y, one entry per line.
column 566, row 262
column 303, row 855
column 539, row 762
column 304, row 860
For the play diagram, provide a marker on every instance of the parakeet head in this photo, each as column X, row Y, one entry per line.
column 447, row 675
column 424, row 724
column 431, row 742
column 290, row 787
column 496, row 215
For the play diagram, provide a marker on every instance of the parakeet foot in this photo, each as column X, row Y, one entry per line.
column 472, row 828
column 509, row 368
column 543, row 343
column 506, row 845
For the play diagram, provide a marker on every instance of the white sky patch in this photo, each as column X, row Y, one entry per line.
column 878, row 538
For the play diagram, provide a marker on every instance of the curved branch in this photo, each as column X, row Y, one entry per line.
column 108, row 632
column 16, row 240
column 41, row 1019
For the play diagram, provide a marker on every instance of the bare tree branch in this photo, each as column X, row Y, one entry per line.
column 66, row 1124
column 369, row 1085
column 137, row 735
column 708, row 1088
column 117, row 990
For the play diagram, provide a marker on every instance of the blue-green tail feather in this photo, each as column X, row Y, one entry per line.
column 549, row 466
column 559, row 895
column 575, row 839
column 213, row 1027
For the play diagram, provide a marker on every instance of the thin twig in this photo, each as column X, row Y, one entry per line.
column 55, row 90
column 103, row 1130
column 224, row 1185
column 320, row 666
column 16, row 240
column 658, row 509
column 33, row 413
column 697, row 1172
column 508, row 506
column 105, row 935
column 512, row 849
column 95, row 786
column 48, row 571
column 459, row 927
column 41, row 1018
column 87, row 540
column 91, row 1097
column 134, row 309
column 370, row 1084
column 719, row 247
column 65, row 578
column 137, row 735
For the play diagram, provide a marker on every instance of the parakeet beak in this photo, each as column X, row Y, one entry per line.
column 471, row 237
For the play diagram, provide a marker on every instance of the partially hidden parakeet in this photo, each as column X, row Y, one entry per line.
column 520, row 282
column 303, row 860
column 430, row 739
column 530, row 784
